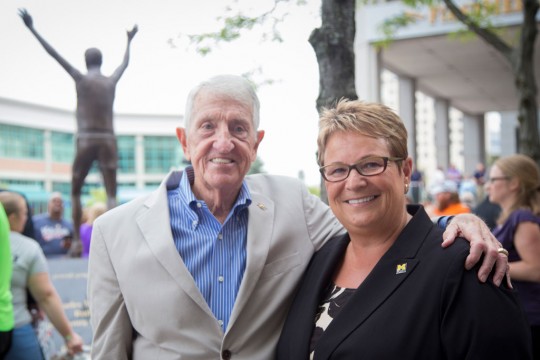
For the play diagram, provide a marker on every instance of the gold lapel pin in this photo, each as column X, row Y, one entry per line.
column 261, row 206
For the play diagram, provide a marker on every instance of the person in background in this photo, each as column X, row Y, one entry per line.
column 386, row 289
column 28, row 231
column 447, row 201
column 218, row 253
column 480, row 179
column 30, row 271
column 92, row 213
column 417, row 185
column 453, row 174
column 468, row 192
column 52, row 231
column 514, row 184
column 29, row 226
column 438, row 177
column 487, row 211
column 6, row 305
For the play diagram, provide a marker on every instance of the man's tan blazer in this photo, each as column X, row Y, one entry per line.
column 145, row 305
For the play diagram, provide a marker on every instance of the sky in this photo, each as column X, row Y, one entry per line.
column 164, row 67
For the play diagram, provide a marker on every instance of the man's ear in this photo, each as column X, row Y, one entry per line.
column 260, row 136
column 181, row 135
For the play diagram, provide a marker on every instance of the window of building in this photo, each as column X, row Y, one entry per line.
column 126, row 186
column 21, row 142
column 33, row 191
column 35, row 184
column 161, row 154
column 126, row 154
column 63, row 147
column 65, row 188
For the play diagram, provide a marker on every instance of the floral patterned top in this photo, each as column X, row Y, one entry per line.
column 334, row 301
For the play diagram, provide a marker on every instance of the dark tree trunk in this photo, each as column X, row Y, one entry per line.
column 523, row 66
column 333, row 43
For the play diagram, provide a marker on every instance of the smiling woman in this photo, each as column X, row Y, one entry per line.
column 390, row 267
column 515, row 186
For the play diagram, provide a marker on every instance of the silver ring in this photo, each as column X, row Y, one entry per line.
column 503, row 251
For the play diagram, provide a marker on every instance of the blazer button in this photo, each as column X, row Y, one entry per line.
column 226, row 355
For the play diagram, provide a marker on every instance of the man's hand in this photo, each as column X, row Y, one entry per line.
column 472, row 228
column 26, row 18
column 132, row 32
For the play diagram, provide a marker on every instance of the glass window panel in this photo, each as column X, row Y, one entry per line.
column 63, row 147
column 21, row 143
column 126, row 154
column 161, row 154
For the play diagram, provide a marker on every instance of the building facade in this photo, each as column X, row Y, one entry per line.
column 37, row 147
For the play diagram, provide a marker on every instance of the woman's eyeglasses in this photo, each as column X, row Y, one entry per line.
column 370, row 166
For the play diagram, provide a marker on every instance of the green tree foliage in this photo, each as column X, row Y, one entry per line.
column 257, row 167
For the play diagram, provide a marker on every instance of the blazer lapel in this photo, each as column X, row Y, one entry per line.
column 312, row 290
column 156, row 229
column 260, row 225
column 393, row 269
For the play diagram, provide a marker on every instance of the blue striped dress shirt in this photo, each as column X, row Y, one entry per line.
column 214, row 253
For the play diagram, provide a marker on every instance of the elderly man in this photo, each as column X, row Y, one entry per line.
column 206, row 266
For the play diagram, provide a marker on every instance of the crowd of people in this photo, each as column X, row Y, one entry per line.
column 31, row 241
column 256, row 267
column 451, row 192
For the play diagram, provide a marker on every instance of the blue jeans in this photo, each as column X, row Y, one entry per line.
column 24, row 344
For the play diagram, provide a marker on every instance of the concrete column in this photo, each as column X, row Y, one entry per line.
column 442, row 132
column 509, row 133
column 407, row 111
column 473, row 142
column 368, row 64
column 48, row 158
column 139, row 162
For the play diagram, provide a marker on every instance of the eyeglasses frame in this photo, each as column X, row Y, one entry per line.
column 497, row 178
column 386, row 159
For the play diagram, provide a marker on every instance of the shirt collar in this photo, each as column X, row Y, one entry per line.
column 187, row 197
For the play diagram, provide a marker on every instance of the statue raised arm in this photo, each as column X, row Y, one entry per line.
column 25, row 15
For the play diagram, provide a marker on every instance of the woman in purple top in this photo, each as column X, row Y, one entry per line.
column 94, row 211
column 514, row 184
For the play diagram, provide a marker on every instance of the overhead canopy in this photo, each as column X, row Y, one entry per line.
column 470, row 73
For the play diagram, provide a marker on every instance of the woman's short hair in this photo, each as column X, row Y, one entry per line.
column 369, row 119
